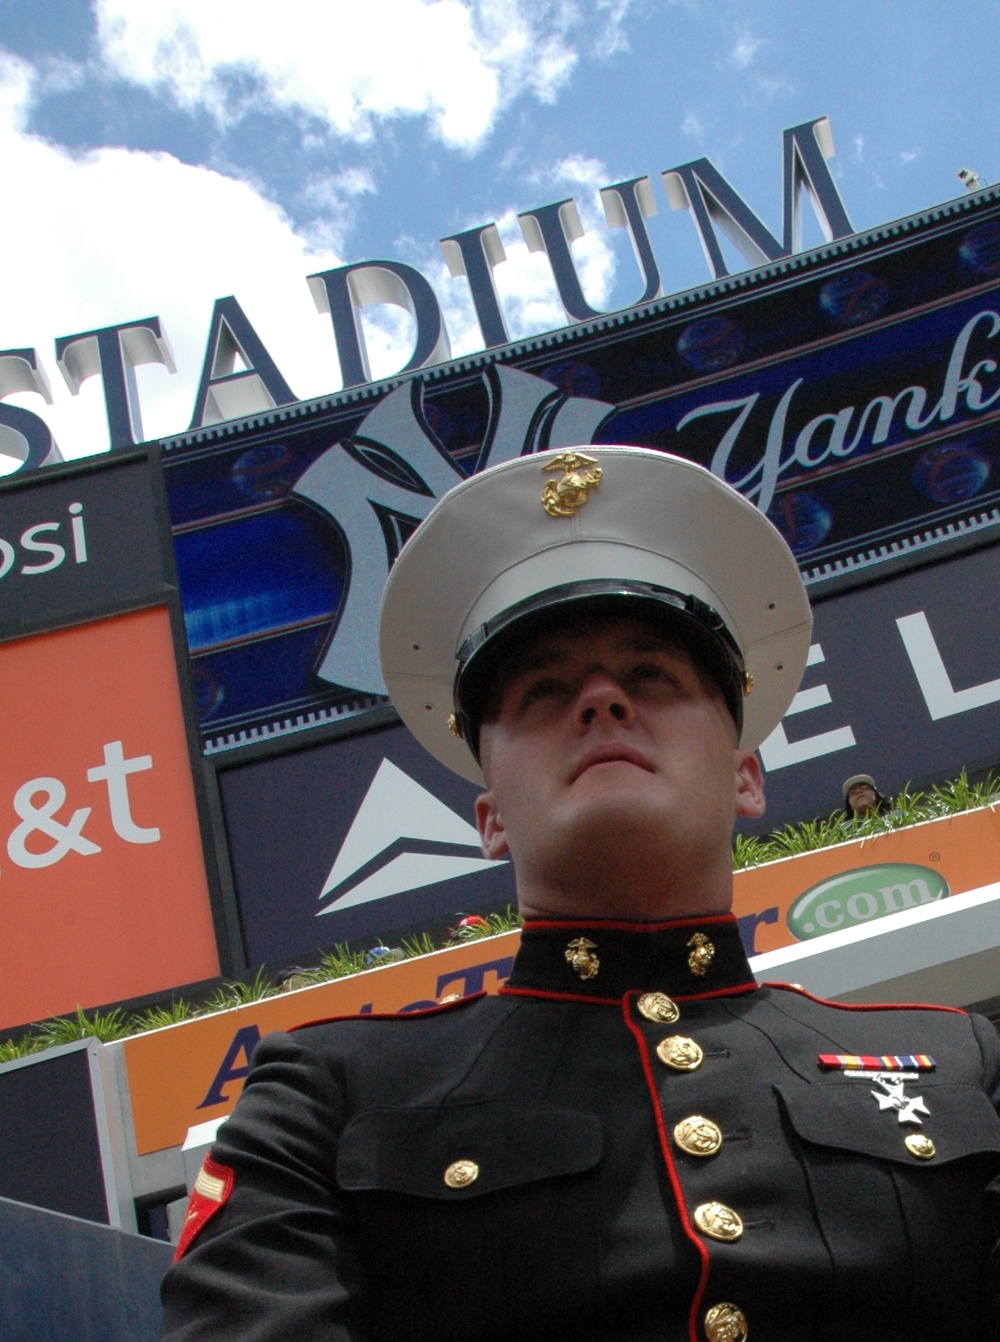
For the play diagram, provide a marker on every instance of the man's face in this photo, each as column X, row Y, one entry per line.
column 861, row 798
column 606, row 749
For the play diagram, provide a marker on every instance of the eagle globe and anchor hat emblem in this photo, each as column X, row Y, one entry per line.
column 646, row 530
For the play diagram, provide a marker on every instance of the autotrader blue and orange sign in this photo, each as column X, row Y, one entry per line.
column 804, row 897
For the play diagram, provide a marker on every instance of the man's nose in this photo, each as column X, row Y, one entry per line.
column 602, row 697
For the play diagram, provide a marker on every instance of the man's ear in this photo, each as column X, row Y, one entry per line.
column 749, row 785
column 492, row 834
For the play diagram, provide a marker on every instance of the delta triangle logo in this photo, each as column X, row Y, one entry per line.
column 402, row 838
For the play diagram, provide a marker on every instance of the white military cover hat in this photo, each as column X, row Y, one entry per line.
column 618, row 525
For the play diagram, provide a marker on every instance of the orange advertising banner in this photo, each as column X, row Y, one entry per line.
column 189, row 1073
column 103, row 893
column 802, row 897
column 193, row 1072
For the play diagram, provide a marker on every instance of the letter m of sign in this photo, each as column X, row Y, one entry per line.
column 700, row 187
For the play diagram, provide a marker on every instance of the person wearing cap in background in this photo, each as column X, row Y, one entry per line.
column 632, row 1140
column 862, row 797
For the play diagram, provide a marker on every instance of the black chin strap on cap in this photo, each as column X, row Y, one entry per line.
column 698, row 628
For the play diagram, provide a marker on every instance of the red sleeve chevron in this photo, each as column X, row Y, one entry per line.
column 211, row 1191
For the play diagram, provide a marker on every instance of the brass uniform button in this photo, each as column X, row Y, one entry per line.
column 698, row 1136
column 680, row 1053
column 658, row 1007
column 920, row 1145
column 725, row 1323
column 718, row 1221
column 461, row 1173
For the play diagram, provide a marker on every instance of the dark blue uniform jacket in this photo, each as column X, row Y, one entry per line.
column 540, row 1164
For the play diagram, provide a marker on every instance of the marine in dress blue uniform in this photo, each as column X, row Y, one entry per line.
column 633, row 1139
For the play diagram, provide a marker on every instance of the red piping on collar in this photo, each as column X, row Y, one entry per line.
column 675, row 1182
column 750, row 986
column 866, row 1006
column 549, row 996
column 616, row 925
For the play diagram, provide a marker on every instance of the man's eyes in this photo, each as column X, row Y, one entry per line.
column 653, row 671
column 633, row 678
column 548, row 688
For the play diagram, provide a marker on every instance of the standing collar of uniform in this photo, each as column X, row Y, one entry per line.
column 603, row 960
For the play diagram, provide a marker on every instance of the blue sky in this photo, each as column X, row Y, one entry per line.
column 156, row 157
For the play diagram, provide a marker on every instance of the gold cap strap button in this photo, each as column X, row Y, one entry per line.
column 680, row 1053
column 726, row 1323
column 461, row 1173
column 658, row 1007
column 698, row 1136
column 718, row 1221
column 920, row 1145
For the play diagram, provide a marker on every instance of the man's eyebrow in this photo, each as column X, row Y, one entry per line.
column 651, row 641
column 542, row 657
column 531, row 659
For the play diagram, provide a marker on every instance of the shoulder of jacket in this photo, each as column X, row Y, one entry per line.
column 800, row 991
column 449, row 1004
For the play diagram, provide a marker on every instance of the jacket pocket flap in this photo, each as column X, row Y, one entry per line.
column 502, row 1143
column 845, row 1115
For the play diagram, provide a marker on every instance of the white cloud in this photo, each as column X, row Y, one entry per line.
column 744, row 51
column 456, row 62
column 693, row 127
column 118, row 235
column 331, row 198
column 909, row 156
column 612, row 38
column 769, row 88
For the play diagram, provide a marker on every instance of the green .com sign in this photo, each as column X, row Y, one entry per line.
column 863, row 894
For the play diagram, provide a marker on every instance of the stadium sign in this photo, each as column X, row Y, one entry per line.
column 113, row 352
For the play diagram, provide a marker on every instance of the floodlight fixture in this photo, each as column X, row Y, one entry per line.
column 971, row 179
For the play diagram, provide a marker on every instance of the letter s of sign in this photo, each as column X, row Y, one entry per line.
column 386, row 479
column 54, row 550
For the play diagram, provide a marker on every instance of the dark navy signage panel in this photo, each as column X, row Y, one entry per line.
column 63, row 1279
column 75, row 543
column 356, row 839
column 904, row 684
column 857, row 441
column 50, row 1152
column 855, row 398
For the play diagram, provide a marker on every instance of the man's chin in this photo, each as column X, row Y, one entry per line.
column 611, row 819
